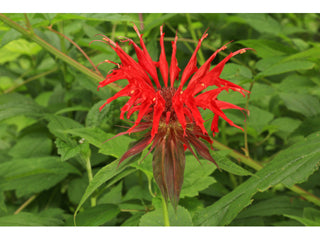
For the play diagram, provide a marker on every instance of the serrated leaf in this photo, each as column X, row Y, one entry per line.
column 155, row 218
column 196, row 176
column 291, row 166
column 66, row 150
column 94, row 116
column 58, row 124
column 97, row 137
column 226, row 164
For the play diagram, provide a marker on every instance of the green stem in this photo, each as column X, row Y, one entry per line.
column 165, row 212
column 26, row 203
column 90, row 177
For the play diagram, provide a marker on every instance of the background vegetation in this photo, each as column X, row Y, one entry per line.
column 55, row 167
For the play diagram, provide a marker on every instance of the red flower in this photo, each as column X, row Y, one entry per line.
column 170, row 110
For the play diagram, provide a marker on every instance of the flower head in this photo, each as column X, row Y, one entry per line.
column 170, row 110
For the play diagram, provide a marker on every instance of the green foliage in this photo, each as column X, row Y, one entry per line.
column 59, row 160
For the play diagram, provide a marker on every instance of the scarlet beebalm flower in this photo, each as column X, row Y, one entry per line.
column 170, row 111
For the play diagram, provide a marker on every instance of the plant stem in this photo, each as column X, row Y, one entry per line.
column 25, row 204
column 165, row 212
column 90, row 177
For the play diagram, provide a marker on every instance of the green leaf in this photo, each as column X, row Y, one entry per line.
column 95, row 117
column 155, row 218
column 277, row 205
column 16, row 48
column 31, row 145
column 196, row 176
column 258, row 118
column 76, row 188
column 285, row 126
column 311, row 217
column 262, row 23
column 305, row 104
column 66, row 150
column 226, row 164
column 291, row 166
column 308, row 54
column 103, row 175
column 114, row 196
column 32, row 175
column 235, row 73
column 97, row 216
column 284, row 67
column 267, row 48
column 14, row 104
column 50, row 217
column 58, row 124
column 97, row 137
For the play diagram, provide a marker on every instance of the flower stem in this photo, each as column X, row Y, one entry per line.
column 165, row 212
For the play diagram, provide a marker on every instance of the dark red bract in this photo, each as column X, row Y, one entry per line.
column 170, row 111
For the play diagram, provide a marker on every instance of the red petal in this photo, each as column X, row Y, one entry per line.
column 192, row 64
column 163, row 64
column 158, row 109
column 174, row 69
column 203, row 70
column 144, row 59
